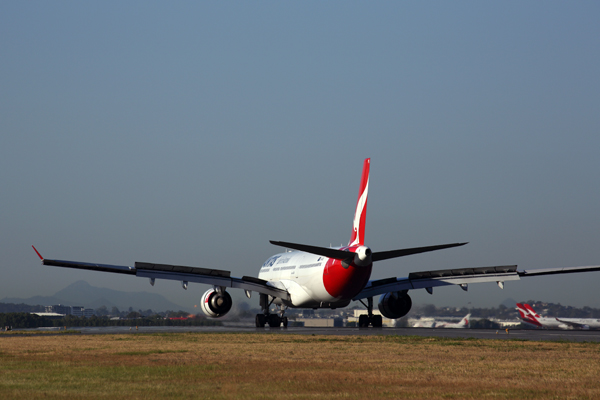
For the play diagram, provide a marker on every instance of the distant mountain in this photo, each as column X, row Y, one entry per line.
column 83, row 294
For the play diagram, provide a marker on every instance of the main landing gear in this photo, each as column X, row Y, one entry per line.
column 376, row 321
column 273, row 320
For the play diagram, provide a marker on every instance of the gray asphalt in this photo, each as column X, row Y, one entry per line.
column 522, row 334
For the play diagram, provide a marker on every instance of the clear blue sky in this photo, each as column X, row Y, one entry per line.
column 193, row 132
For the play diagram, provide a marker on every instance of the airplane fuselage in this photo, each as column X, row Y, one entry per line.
column 314, row 281
column 552, row 323
column 581, row 323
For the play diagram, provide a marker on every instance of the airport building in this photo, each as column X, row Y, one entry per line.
column 76, row 311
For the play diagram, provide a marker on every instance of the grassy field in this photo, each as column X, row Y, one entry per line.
column 263, row 366
column 38, row 332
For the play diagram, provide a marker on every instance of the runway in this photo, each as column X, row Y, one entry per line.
column 519, row 334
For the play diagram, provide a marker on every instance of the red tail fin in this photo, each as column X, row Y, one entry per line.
column 360, row 215
column 531, row 310
column 522, row 311
column 526, row 315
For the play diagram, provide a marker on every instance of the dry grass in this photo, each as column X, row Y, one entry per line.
column 263, row 366
column 38, row 332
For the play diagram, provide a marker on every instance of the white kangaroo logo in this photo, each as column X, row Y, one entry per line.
column 360, row 206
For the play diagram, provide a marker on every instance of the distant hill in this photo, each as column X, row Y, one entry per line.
column 83, row 294
column 509, row 303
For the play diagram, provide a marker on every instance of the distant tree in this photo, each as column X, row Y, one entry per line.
column 177, row 314
column 429, row 309
column 21, row 307
column 23, row 320
column 102, row 310
column 115, row 311
column 483, row 324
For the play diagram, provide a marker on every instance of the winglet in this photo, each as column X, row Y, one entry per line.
column 38, row 253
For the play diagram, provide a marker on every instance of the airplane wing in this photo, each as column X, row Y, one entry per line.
column 555, row 271
column 463, row 276
column 180, row 273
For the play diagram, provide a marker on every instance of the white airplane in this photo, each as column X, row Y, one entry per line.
column 463, row 323
column 432, row 323
column 321, row 277
column 532, row 317
column 424, row 322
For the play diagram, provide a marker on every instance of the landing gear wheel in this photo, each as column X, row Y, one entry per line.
column 274, row 321
column 260, row 320
column 363, row 321
column 284, row 320
column 376, row 321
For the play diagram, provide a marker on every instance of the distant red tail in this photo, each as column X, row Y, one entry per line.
column 523, row 312
column 360, row 215
column 528, row 315
column 531, row 311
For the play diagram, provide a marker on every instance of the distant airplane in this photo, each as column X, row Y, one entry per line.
column 426, row 322
column 432, row 323
column 525, row 317
column 463, row 323
column 529, row 316
column 321, row 277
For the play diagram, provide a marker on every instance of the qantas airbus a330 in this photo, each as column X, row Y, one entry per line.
column 321, row 277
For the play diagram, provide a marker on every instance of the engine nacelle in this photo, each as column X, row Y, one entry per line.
column 215, row 303
column 394, row 304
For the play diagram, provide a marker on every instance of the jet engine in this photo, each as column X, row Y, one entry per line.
column 216, row 303
column 394, row 304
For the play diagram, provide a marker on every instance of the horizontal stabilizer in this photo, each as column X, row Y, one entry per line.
column 320, row 251
column 386, row 255
column 377, row 256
